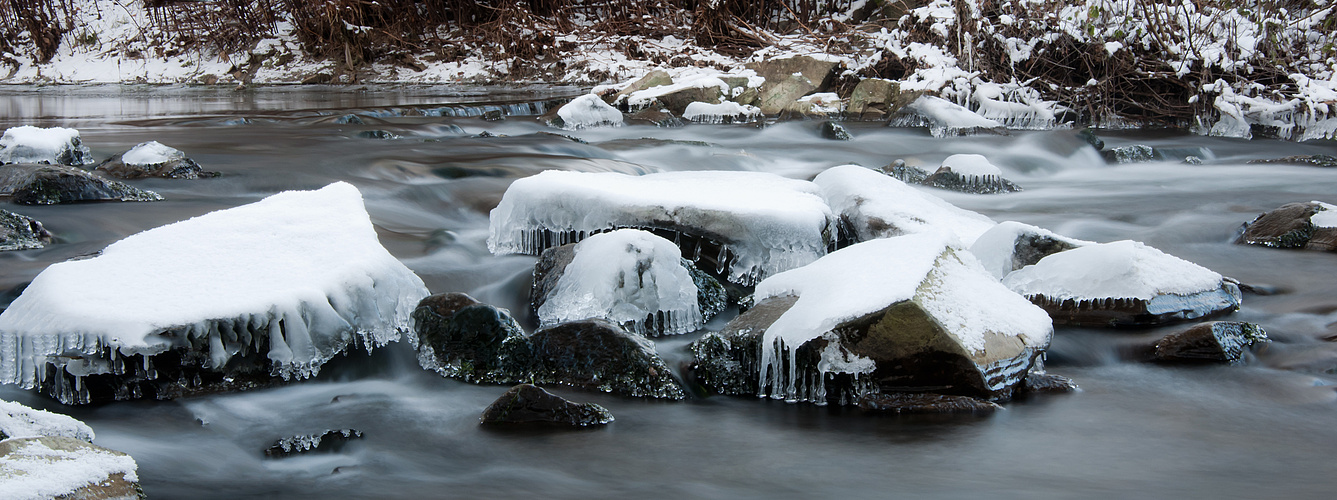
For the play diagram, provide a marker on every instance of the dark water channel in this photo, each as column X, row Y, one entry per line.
column 1267, row 429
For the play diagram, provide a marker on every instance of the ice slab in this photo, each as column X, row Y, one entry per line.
column 877, row 206
column 151, row 153
column 292, row 279
column 763, row 223
column 589, row 111
column 943, row 118
column 55, row 145
column 723, row 113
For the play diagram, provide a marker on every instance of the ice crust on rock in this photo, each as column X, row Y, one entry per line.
column 589, row 111
column 19, row 421
column 931, row 270
column 55, row 145
column 294, row 279
column 723, row 113
column 1012, row 245
column 878, row 206
column 763, row 223
column 1121, row 269
column 151, row 153
column 943, row 118
column 1326, row 216
column 630, row 277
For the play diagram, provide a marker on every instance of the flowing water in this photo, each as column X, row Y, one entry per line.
column 1264, row 429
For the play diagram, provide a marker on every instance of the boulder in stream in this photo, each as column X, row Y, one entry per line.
column 530, row 404
column 1010, row 246
column 586, row 111
column 872, row 205
column 1124, row 283
column 1217, row 341
column 250, row 295
column 66, row 468
column 153, row 159
column 51, row 146
column 599, row 355
column 464, row 339
column 1311, row 226
column 20, row 232
column 36, row 184
column 970, row 173
column 833, row 131
column 912, row 313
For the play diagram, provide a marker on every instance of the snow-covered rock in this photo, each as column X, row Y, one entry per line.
column 630, row 277
column 38, row 184
column 675, row 97
column 970, row 173
column 153, row 159
column 1311, row 226
column 55, row 146
column 273, row 288
column 1011, row 245
column 64, row 467
column 943, row 118
column 723, row 113
column 18, row 421
column 903, row 312
column 20, row 232
column 873, row 205
column 586, row 111
column 1124, row 283
column 833, row 131
column 744, row 225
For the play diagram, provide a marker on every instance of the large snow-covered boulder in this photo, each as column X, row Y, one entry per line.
column 873, row 205
column 630, row 277
column 66, row 468
column 20, row 232
column 18, row 421
column 153, row 159
column 743, row 225
column 1311, row 226
column 54, row 146
column 273, row 288
column 943, row 118
column 37, row 184
column 893, row 314
column 1012, row 245
column 1124, row 283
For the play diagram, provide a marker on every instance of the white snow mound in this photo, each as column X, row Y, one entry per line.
column 879, row 206
column 36, row 471
column 18, row 421
column 55, row 145
column 996, row 246
column 1120, row 270
column 1327, row 217
column 589, row 111
column 942, row 117
column 767, row 222
column 624, row 276
column 300, row 273
column 151, row 153
column 971, row 165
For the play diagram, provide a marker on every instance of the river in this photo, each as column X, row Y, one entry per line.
column 1261, row 429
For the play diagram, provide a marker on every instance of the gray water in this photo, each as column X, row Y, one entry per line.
column 1261, row 430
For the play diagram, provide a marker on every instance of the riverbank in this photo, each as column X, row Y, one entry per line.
column 1207, row 66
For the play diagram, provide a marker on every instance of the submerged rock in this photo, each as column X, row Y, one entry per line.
column 530, row 404
column 377, row 134
column 1311, row 226
column 246, row 308
column 834, row 131
column 1326, row 161
column 856, row 322
column 32, row 184
column 630, row 277
column 1215, row 341
column 970, row 173
column 872, row 205
column 66, row 468
column 325, row 442
column 1124, row 283
column 20, row 232
column 1011, row 245
column 1040, row 382
column 910, row 403
column 1137, row 153
column 464, row 339
column 152, row 159
column 944, row 118
column 596, row 354
column 52, row 146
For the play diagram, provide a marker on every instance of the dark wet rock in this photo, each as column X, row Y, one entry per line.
column 658, row 117
column 1089, row 136
column 31, row 184
column 834, row 131
column 1137, row 153
column 1290, row 226
column 1326, row 161
column 905, row 173
column 1039, row 382
column 464, row 339
column 76, row 458
column 530, row 404
column 494, row 115
column 330, row 441
column 1216, row 341
column 162, row 161
column 654, row 78
column 377, row 134
column 727, row 362
column 596, row 354
column 20, row 232
column 1138, row 312
column 911, row 403
column 876, row 99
